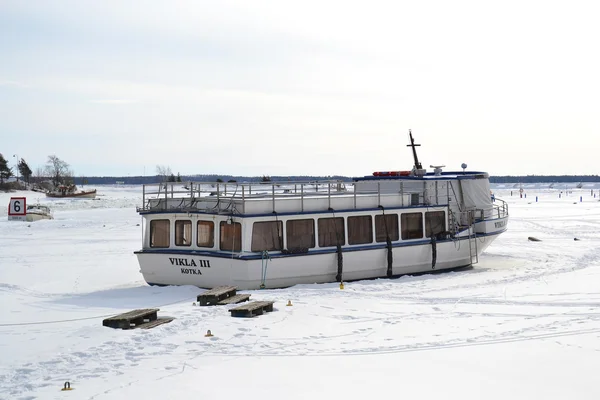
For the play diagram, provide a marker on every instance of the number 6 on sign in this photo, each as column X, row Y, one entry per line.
column 17, row 206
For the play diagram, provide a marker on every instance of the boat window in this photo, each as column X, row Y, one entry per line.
column 267, row 235
column 183, row 233
column 360, row 229
column 386, row 225
column 160, row 230
column 412, row 225
column 435, row 222
column 300, row 234
column 206, row 234
column 331, row 232
column 231, row 236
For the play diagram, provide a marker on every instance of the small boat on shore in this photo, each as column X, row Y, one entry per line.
column 19, row 210
column 70, row 191
column 36, row 212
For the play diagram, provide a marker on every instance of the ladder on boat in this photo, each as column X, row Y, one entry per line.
column 473, row 246
column 454, row 226
column 474, row 257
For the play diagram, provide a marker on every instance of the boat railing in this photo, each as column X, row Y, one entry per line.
column 458, row 220
column 500, row 209
column 495, row 212
column 223, row 196
column 294, row 196
column 304, row 196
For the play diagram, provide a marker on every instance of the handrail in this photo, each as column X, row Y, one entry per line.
column 196, row 188
column 221, row 197
column 222, row 191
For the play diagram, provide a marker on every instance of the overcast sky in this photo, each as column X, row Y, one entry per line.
column 303, row 88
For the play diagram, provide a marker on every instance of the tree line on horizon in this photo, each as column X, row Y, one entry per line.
column 138, row 180
column 543, row 178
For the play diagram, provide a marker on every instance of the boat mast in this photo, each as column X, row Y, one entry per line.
column 413, row 145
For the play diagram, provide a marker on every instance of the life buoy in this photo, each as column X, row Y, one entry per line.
column 391, row 173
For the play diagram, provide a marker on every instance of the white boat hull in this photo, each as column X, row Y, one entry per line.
column 205, row 271
column 31, row 217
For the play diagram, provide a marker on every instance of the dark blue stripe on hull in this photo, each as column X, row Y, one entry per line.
column 332, row 250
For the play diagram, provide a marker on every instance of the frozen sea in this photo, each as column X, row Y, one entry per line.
column 523, row 323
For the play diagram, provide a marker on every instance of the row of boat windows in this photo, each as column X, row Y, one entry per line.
column 300, row 233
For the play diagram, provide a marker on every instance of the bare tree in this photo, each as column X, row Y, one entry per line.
column 163, row 172
column 39, row 174
column 58, row 170
column 39, row 179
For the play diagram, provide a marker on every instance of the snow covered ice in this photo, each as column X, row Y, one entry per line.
column 523, row 323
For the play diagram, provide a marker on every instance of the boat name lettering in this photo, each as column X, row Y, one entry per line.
column 500, row 224
column 184, row 262
column 190, row 271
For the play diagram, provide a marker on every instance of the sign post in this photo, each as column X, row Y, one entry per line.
column 17, row 209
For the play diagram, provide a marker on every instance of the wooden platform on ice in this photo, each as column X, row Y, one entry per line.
column 155, row 323
column 145, row 318
column 238, row 298
column 213, row 296
column 252, row 309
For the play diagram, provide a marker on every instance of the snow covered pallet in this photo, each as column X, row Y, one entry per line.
column 238, row 298
column 142, row 318
column 215, row 295
column 252, row 309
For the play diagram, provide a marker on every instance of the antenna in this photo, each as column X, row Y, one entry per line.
column 413, row 145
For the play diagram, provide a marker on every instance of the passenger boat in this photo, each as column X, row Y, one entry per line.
column 70, row 191
column 278, row 234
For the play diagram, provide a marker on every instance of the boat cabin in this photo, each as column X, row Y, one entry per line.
column 293, row 233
